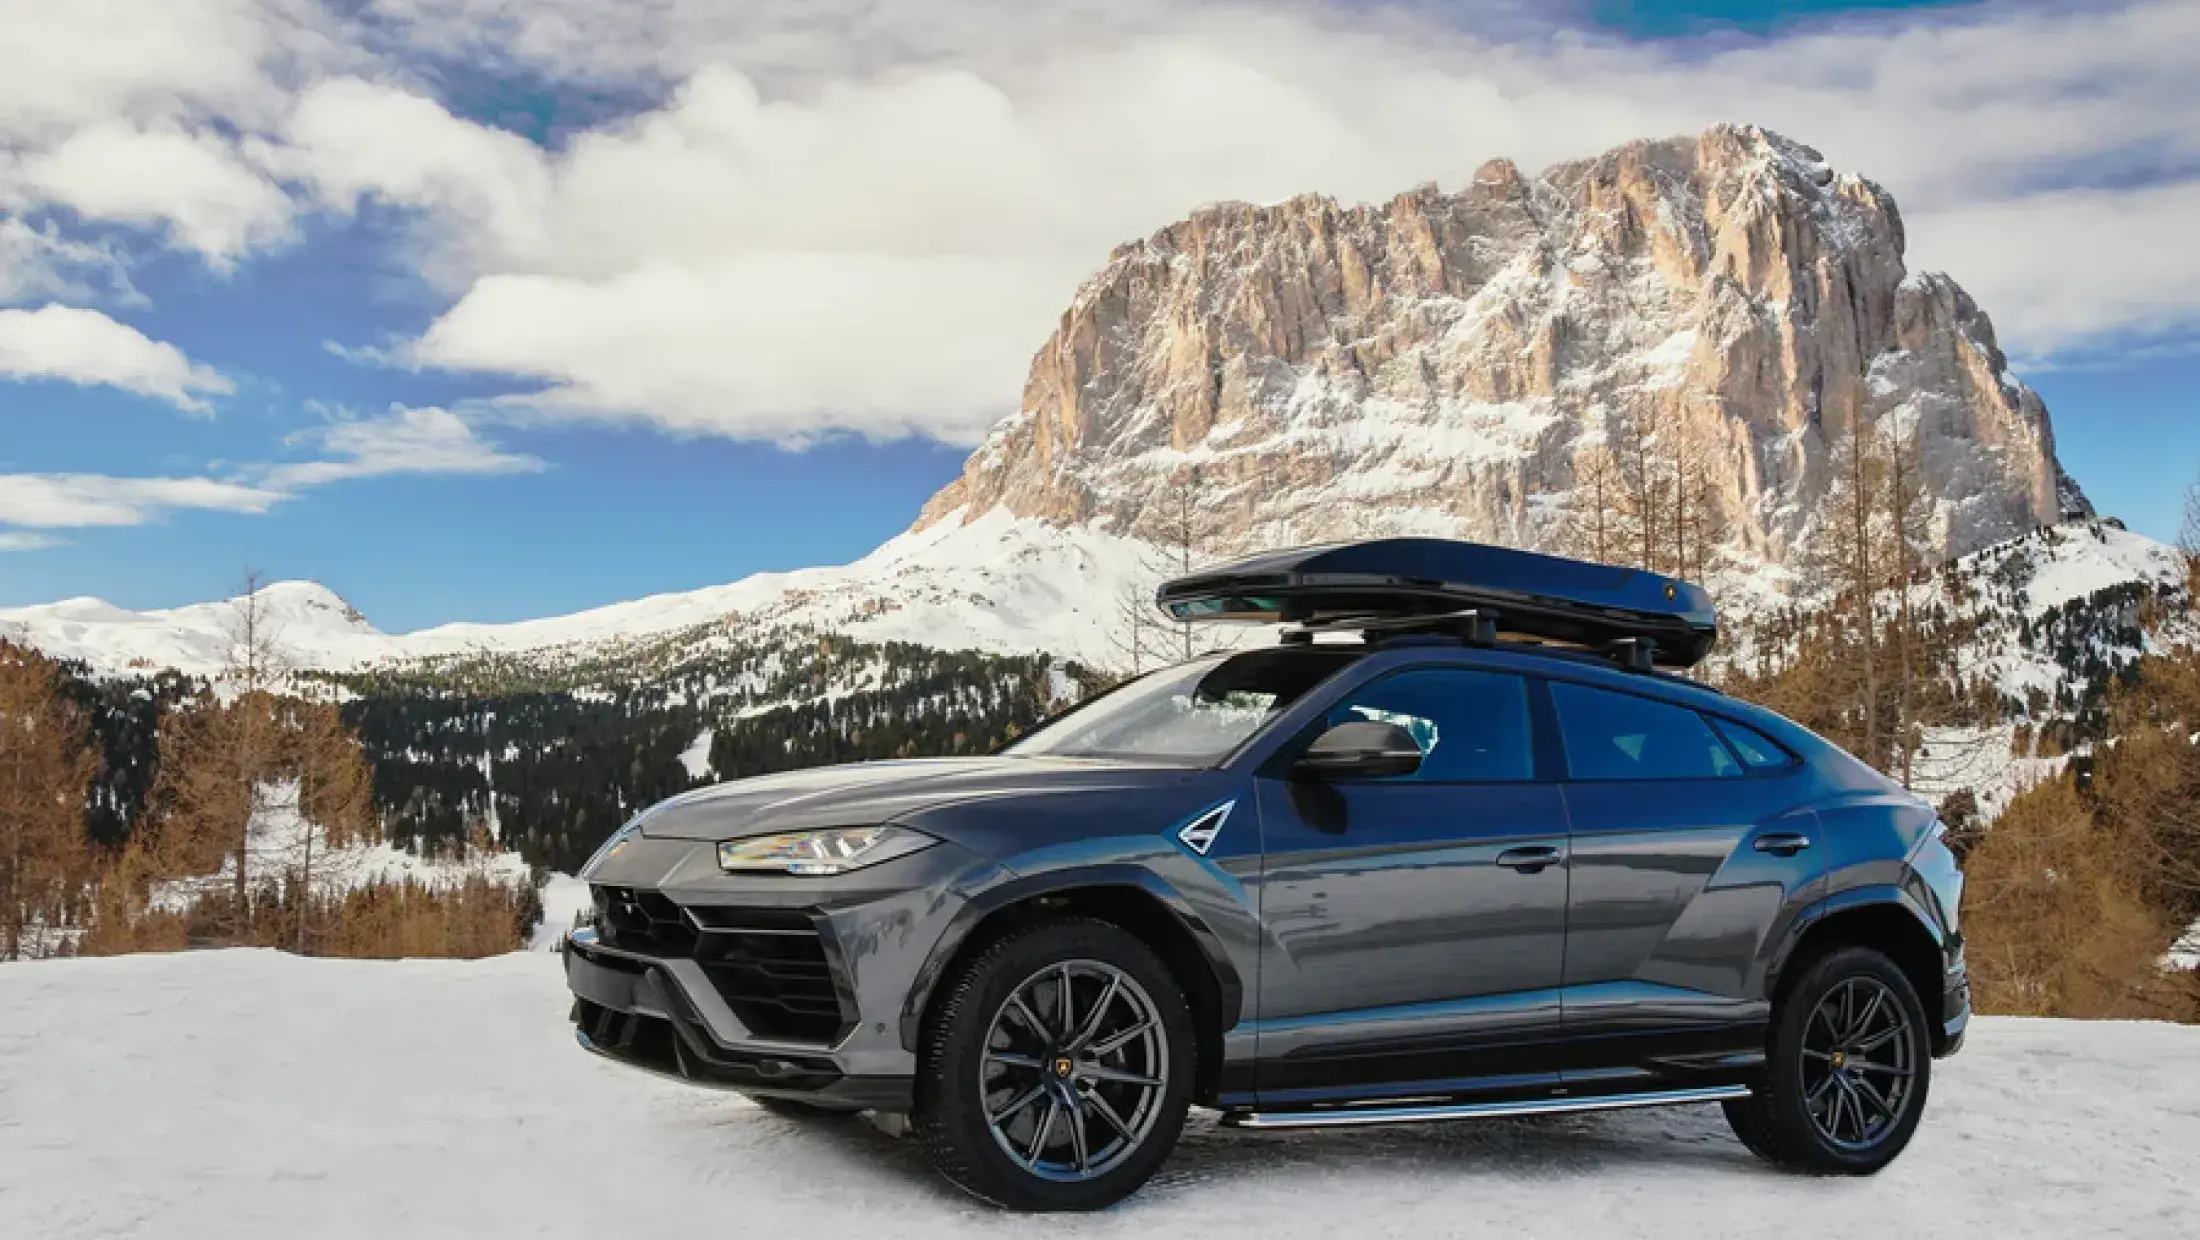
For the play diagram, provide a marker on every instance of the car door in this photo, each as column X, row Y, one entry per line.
column 1684, row 853
column 1415, row 925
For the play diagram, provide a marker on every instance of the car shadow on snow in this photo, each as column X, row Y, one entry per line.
column 1208, row 1153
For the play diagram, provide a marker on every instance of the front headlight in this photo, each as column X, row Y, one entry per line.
column 834, row 851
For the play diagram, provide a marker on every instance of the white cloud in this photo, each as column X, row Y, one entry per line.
column 75, row 501
column 405, row 441
column 38, row 264
column 853, row 215
column 131, row 111
column 86, row 61
column 196, row 186
column 773, row 345
column 844, row 218
column 87, row 348
column 2125, row 257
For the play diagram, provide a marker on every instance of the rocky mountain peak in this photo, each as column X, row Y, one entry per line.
column 1440, row 363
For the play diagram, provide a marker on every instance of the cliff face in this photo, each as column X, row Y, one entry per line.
column 1440, row 363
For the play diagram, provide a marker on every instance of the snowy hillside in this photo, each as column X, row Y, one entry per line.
column 239, row 1095
column 280, row 841
column 1000, row 583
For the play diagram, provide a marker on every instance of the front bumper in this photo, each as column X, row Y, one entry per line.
column 1955, row 1001
column 783, row 986
column 635, row 1011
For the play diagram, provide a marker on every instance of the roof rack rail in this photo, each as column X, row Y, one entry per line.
column 1476, row 627
column 1466, row 590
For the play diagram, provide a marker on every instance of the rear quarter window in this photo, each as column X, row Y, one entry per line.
column 1620, row 736
column 1758, row 751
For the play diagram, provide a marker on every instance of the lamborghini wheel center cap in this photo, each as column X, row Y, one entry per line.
column 1062, row 1066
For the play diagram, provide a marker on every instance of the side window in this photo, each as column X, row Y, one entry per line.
column 1759, row 752
column 1621, row 736
column 1472, row 726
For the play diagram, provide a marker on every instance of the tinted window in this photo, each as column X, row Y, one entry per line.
column 1472, row 726
column 1621, row 736
column 1759, row 752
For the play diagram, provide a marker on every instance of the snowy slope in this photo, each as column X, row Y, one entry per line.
column 998, row 583
column 279, row 841
column 239, row 1095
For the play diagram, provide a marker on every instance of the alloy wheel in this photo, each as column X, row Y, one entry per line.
column 1859, row 1059
column 1074, row 1068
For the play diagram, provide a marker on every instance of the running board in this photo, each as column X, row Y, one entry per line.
column 1345, row 1117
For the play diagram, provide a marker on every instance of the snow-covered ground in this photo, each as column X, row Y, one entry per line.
column 251, row 1094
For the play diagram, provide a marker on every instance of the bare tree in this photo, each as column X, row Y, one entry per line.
column 2188, row 538
column 1137, row 632
column 1849, row 557
column 1180, row 530
column 229, row 767
column 1593, row 513
column 45, row 772
column 1186, row 533
column 1644, row 482
column 1698, row 521
column 1908, row 516
column 335, row 791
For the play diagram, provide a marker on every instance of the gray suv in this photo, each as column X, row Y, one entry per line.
column 1479, row 858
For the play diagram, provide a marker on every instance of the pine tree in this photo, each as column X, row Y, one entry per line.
column 45, row 772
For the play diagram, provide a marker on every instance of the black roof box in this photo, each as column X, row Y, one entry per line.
column 1537, row 596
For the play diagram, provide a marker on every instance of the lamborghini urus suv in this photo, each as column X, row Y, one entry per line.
column 1458, row 846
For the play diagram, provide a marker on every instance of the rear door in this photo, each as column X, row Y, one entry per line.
column 1684, row 854
column 1416, row 925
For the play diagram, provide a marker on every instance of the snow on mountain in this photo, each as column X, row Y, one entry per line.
column 1446, row 362
column 2057, row 612
column 248, row 1094
column 999, row 583
column 1438, row 364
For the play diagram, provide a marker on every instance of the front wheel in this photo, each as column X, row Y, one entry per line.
column 1056, row 1068
column 1849, row 1064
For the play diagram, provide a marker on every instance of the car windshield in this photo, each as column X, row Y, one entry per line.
column 1193, row 713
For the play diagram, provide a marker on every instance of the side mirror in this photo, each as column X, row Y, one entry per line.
column 1362, row 749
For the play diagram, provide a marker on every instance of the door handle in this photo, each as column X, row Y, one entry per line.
column 1782, row 843
column 1528, row 860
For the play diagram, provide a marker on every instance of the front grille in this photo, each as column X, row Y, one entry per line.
column 642, row 921
column 773, row 967
column 775, row 976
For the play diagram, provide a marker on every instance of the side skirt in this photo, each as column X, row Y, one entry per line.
column 1423, row 1113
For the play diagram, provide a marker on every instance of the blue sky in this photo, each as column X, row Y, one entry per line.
column 481, row 309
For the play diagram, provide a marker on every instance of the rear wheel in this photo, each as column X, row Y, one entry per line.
column 1849, row 1064
column 1056, row 1069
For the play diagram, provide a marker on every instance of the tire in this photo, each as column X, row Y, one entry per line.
column 1129, row 1020
column 1845, row 1084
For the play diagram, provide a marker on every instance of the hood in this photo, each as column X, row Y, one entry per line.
column 864, row 793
